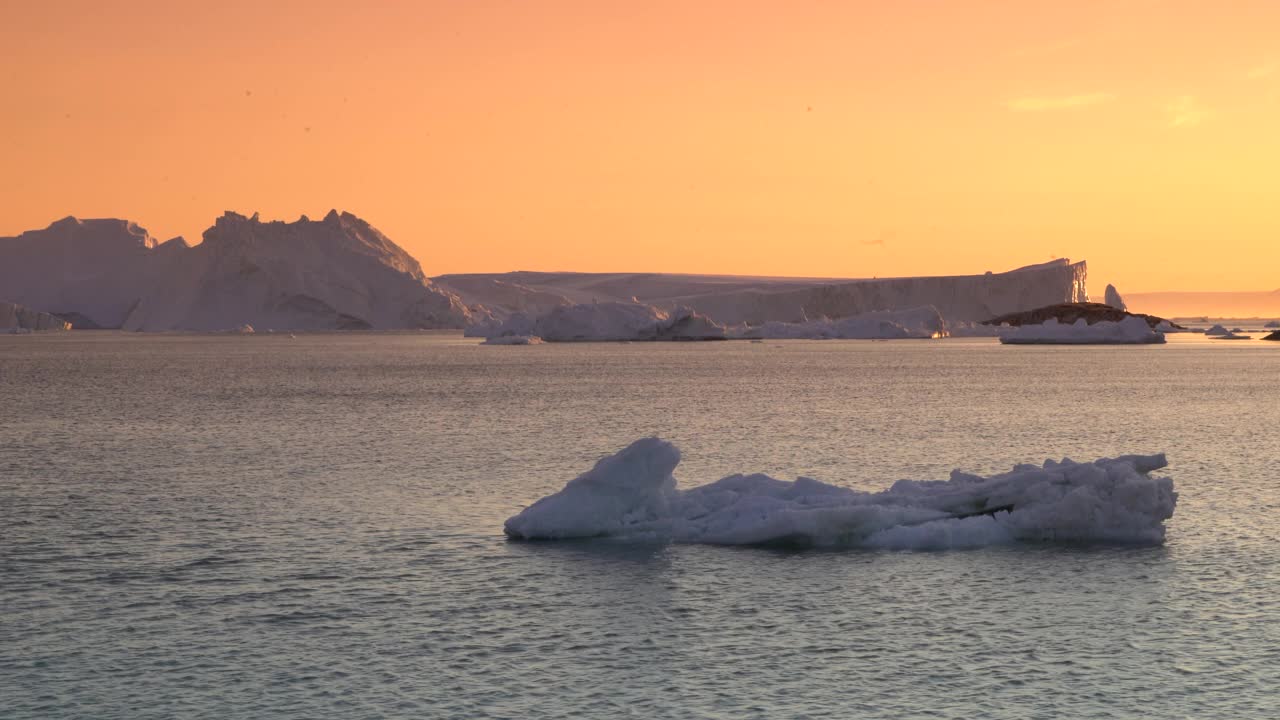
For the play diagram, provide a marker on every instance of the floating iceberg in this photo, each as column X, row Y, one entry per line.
column 1217, row 330
column 605, row 322
column 513, row 340
column 1132, row 330
column 1112, row 298
column 633, row 495
column 920, row 322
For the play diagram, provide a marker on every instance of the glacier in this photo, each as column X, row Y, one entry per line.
column 633, row 495
column 337, row 273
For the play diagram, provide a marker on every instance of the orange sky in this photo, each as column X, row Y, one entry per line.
column 789, row 138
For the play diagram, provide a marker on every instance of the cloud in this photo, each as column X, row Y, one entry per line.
column 1186, row 111
column 1264, row 70
column 1059, row 102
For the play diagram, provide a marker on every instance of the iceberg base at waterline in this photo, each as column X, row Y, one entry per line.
column 633, row 495
column 1133, row 330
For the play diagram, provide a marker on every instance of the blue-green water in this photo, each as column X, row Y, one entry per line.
column 249, row 527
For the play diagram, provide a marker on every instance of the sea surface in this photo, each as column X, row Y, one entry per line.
column 224, row 526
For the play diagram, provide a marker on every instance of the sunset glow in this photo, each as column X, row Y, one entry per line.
column 801, row 138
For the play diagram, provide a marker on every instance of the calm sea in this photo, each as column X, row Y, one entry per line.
column 197, row 526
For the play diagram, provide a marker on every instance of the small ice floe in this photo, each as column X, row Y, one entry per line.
column 633, row 495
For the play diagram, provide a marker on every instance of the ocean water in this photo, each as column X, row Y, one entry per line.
column 204, row 526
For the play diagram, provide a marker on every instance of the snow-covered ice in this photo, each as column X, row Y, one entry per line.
column 1132, row 330
column 1217, row 330
column 633, row 495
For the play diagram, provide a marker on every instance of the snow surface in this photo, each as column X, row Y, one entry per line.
column 1113, row 298
column 633, row 495
column 1132, row 330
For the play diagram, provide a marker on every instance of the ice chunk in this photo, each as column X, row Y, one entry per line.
column 1217, row 330
column 606, row 321
column 513, row 340
column 1112, row 298
column 1132, row 330
column 633, row 495
column 919, row 322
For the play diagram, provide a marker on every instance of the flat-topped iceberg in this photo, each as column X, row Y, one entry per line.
column 633, row 495
column 1133, row 330
column 635, row 321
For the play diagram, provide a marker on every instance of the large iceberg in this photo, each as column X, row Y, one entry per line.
column 1133, row 330
column 336, row 273
column 733, row 300
column 633, row 495
column 17, row 318
column 635, row 321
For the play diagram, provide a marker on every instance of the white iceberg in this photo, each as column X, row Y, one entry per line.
column 1112, row 297
column 735, row 300
column 1132, row 330
column 1217, row 330
column 605, row 322
column 919, row 322
column 633, row 495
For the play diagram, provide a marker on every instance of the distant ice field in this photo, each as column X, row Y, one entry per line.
column 233, row 526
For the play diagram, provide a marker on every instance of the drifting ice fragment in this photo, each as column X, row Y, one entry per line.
column 633, row 495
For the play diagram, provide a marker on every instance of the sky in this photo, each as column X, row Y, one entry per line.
column 828, row 139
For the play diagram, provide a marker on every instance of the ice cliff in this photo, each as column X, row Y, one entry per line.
column 634, row 321
column 335, row 273
column 16, row 318
column 633, row 495
column 732, row 300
